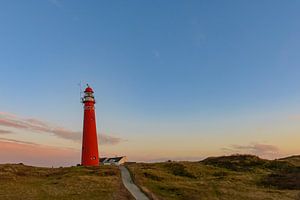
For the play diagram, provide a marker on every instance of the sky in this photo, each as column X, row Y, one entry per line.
column 179, row 80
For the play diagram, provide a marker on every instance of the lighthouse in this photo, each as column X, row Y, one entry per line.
column 89, row 156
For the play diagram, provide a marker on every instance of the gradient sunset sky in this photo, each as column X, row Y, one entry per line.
column 180, row 80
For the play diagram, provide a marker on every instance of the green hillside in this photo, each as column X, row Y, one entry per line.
column 295, row 160
column 238, row 177
column 18, row 181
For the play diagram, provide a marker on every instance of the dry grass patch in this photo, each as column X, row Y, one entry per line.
column 18, row 181
column 224, row 178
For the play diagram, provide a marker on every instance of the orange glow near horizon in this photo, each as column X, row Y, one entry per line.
column 35, row 142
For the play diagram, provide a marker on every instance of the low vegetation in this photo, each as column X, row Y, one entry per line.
column 244, row 177
column 18, row 181
column 295, row 160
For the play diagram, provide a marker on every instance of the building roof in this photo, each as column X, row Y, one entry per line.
column 114, row 159
column 102, row 159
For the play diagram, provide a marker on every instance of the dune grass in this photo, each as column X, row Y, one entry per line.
column 242, row 177
column 222, row 178
column 18, row 181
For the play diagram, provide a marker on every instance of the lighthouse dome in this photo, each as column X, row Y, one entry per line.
column 89, row 89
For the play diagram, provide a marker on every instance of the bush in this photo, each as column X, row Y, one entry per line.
column 178, row 169
column 152, row 176
column 283, row 180
column 236, row 162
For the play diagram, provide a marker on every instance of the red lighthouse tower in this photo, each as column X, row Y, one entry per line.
column 90, row 156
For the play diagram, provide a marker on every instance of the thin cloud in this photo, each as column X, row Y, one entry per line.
column 105, row 139
column 35, row 125
column 258, row 148
column 15, row 151
column 264, row 150
column 17, row 141
column 5, row 131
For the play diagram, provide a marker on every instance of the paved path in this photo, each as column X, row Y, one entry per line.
column 131, row 187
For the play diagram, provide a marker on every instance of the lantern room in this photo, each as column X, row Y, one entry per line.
column 88, row 95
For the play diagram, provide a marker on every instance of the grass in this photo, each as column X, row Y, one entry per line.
column 226, row 178
column 243, row 177
column 18, row 181
column 295, row 160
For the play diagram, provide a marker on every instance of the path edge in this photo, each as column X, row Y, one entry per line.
column 151, row 196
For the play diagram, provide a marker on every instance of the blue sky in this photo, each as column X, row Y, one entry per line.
column 159, row 68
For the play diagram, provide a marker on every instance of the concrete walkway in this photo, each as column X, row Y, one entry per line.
column 131, row 187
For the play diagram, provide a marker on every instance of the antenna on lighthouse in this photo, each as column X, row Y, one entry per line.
column 80, row 93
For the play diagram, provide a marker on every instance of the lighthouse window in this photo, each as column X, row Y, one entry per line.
column 88, row 94
column 89, row 98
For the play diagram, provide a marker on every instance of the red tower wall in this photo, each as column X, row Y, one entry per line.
column 90, row 156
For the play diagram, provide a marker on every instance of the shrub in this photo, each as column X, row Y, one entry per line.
column 235, row 162
column 178, row 169
column 152, row 176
